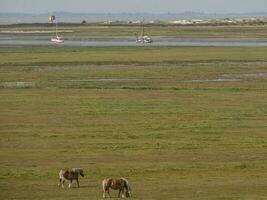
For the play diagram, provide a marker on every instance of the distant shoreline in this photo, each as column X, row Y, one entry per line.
column 194, row 22
column 68, row 17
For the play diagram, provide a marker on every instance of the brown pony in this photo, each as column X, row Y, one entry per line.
column 70, row 175
column 120, row 184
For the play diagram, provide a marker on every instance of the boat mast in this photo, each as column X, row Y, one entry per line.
column 143, row 31
column 56, row 28
column 143, row 28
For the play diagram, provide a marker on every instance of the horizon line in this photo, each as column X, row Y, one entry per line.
column 153, row 13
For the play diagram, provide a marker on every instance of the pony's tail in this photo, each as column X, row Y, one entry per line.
column 104, row 187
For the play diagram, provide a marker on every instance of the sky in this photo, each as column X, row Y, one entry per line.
column 132, row 6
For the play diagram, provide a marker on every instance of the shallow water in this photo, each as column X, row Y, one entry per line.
column 18, row 84
column 26, row 40
column 246, row 75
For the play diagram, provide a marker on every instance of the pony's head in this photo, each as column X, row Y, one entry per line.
column 128, row 189
column 128, row 193
column 81, row 173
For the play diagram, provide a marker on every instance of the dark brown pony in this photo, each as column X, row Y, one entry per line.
column 120, row 184
column 70, row 175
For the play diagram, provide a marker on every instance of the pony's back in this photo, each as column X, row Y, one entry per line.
column 77, row 169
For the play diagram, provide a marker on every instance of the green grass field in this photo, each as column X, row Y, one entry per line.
column 178, row 122
column 102, row 31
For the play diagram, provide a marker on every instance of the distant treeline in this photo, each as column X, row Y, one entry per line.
column 124, row 23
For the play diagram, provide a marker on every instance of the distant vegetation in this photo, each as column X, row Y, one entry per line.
column 157, row 29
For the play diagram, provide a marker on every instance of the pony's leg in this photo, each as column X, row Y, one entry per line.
column 63, row 183
column 105, row 189
column 119, row 195
column 104, row 192
column 77, row 180
column 122, row 193
column 108, row 193
column 70, row 183
column 59, row 183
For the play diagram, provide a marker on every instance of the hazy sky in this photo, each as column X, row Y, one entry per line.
column 152, row 6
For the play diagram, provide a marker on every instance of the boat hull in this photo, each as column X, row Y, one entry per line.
column 57, row 40
column 144, row 39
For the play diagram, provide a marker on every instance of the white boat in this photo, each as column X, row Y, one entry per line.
column 143, row 38
column 56, row 39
